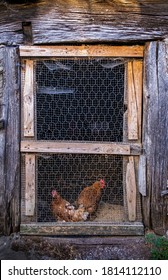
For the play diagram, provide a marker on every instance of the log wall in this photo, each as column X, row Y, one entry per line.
column 82, row 21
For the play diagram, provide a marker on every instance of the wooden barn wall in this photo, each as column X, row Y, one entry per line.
column 66, row 21
column 86, row 21
column 2, row 143
column 155, row 137
column 9, row 138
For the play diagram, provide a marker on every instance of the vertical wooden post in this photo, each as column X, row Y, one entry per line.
column 28, row 100
column 155, row 135
column 142, row 175
column 11, row 154
column 2, row 141
column 30, row 184
column 134, row 99
column 131, row 189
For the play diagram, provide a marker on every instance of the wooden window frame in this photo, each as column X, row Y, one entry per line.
column 133, row 147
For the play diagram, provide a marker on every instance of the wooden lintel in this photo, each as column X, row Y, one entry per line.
column 81, row 51
column 78, row 148
column 109, row 229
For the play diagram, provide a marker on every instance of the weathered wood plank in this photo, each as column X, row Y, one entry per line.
column 138, row 75
column 28, row 100
column 128, row 229
column 142, row 175
column 131, row 189
column 78, row 147
column 160, row 138
column 83, row 51
column 11, row 155
column 10, row 31
column 30, row 184
column 155, row 135
column 148, row 87
column 94, row 21
column 132, row 105
column 84, row 21
column 134, row 89
column 2, row 142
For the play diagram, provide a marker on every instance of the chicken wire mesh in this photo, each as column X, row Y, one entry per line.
column 80, row 99
column 69, row 174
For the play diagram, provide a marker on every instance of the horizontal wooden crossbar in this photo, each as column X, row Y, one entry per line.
column 80, row 148
column 82, row 51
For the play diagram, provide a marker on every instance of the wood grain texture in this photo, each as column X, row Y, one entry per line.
column 142, row 175
column 67, row 21
column 79, row 148
column 2, row 142
column 11, row 154
column 131, row 189
column 132, row 104
column 155, row 135
column 28, row 100
column 29, row 184
column 78, row 229
column 81, row 51
column 134, row 89
column 138, row 76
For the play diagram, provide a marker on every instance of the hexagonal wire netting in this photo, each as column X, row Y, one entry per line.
column 80, row 100
column 70, row 173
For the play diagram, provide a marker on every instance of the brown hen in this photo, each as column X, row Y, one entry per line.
column 64, row 211
column 90, row 196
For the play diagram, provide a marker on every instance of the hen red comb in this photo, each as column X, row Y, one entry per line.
column 102, row 183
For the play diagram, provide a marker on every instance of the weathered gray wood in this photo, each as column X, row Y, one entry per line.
column 161, row 140
column 142, row 175
column 2, row 142
column 131, row 189
column 148, row 82
column 155, row 135
column 11, row 155
column 28, row 100
column 79, row 147
column 30, row 179
column 58, row 21
column 128, row 229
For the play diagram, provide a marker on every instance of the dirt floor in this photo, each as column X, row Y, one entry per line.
column 18, row 247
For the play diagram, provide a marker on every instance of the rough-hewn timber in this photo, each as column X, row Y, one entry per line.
column 80, row 148
column 79, row 229
column 2, row 142
column 82, row 51
column 155, row 135
column 67, row 21
column 9, row 136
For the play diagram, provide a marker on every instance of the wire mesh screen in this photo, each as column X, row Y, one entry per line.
column 69, row 174
column 80, row 99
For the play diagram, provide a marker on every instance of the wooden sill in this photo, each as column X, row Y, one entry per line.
column 86, row 228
